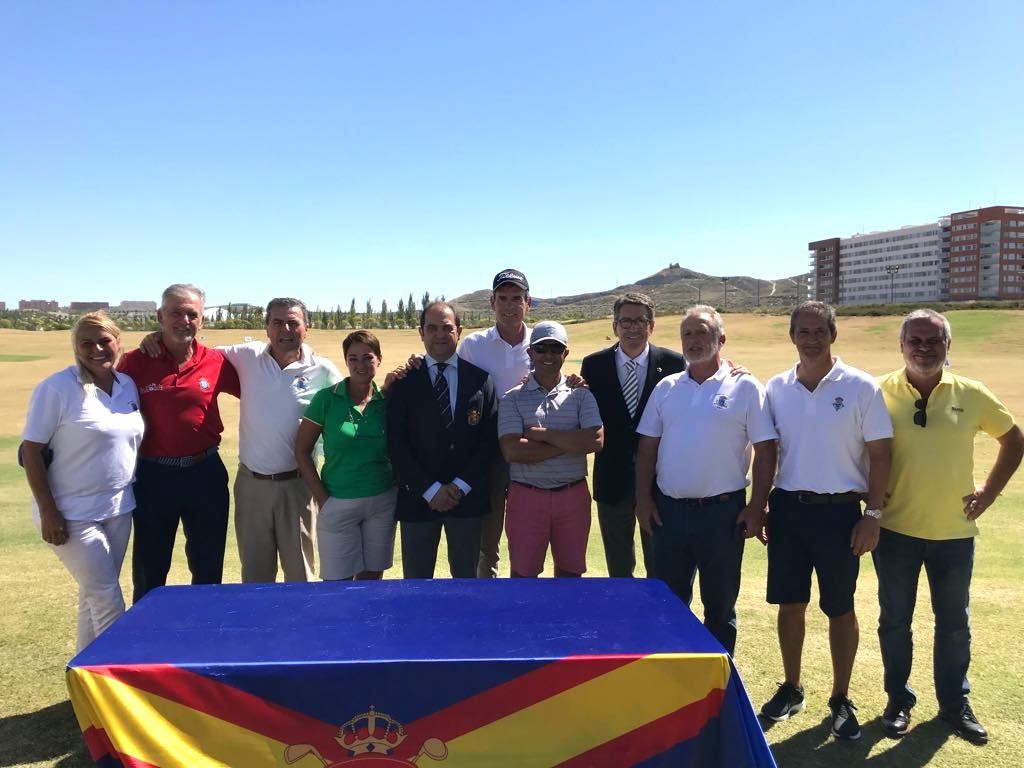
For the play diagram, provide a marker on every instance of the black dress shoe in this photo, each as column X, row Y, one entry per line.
column 965, row 724
column 896, row 718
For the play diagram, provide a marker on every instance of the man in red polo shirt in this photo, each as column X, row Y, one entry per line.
column 180, row 474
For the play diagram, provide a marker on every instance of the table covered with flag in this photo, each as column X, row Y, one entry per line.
column 513, row 672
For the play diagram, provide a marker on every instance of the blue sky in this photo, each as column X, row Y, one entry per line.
column 339, row 150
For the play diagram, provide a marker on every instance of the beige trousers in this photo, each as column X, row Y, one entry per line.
column 274, row 519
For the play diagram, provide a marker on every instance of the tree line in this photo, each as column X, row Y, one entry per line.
column 406, row 314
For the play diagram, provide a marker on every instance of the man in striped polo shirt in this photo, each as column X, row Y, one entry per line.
column 546, row 431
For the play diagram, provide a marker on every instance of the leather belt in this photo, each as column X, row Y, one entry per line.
column 719, row 499
column 550, row 490
column 290, row 475
column 181, row 462
column 808, row 497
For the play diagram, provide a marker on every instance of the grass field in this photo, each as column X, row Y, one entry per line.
column 37, row 726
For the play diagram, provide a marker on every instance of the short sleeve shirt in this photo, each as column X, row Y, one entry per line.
column 506, row 364
column 356, row 463
column 933, row 466
column 706, row 431
column 531, row 405
column 273, row 401
column 179, row 403
column 95, row 438
column 822, row 434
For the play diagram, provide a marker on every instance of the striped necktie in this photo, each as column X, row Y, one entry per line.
column 441, row 394
column 631, row 388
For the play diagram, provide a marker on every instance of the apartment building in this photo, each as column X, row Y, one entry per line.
column 986, row 254
column 977, row 254
column 38, row 305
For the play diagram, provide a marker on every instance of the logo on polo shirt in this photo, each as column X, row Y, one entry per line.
column 155, row 387
column 204, row 384
column 721, row 402
column 300, row 384
column 838, row 404
column 956, row 409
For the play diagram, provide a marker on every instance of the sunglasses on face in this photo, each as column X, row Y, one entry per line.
column 920, row 416
column 548, row 349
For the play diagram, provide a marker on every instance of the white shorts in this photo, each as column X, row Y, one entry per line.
column 355, row 535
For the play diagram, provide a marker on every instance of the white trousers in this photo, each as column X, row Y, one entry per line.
column 93, row 555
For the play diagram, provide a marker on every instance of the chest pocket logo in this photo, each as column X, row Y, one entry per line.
column 204, row 384
column 300, row 384
column 838, row 404
column 721, row 402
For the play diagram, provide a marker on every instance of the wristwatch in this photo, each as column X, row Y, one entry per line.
column 875, row 513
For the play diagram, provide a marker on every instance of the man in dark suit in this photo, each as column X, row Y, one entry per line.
column 442, row 437
column 622, row 378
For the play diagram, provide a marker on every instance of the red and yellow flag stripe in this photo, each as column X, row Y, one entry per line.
column 578, row 711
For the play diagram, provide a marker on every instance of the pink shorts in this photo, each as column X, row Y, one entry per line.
column 534, row 518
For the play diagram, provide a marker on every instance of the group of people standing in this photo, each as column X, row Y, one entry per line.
column 841, row 465
column 486, row 433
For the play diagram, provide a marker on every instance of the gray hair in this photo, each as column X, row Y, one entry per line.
column 183, row 291
column 817, row 308
column 929, row 314
column 287, row 303
column 636, row 299
column 704, row 309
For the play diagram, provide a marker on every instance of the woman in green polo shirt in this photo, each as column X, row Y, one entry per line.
column 355, row 527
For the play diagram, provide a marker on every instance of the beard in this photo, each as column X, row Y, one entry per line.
column 926, row 371
column 704, row 356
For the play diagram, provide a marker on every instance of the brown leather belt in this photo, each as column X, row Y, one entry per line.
column 550, row 490
column 290, row 475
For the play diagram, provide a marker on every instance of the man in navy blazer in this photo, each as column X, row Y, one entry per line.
column 442, row 437
column 622, row 378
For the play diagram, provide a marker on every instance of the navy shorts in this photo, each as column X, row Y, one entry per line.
column 811, row 537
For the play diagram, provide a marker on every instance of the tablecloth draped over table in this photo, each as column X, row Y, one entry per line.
column 523, row 673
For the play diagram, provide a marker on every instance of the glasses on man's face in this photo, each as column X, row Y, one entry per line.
column 548, row 349
column 633, row 322
column 920, row 416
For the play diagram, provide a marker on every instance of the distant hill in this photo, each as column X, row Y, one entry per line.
column 673, row 289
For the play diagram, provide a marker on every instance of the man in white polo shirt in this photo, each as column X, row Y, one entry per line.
column 274, row 511
column 834, row 450
column 691, row 472
column 501, row 351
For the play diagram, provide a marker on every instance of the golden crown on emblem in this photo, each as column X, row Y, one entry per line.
column 371, row 732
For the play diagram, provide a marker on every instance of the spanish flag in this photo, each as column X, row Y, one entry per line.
column 382, row 676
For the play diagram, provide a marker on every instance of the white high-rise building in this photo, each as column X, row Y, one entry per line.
column 966, row 255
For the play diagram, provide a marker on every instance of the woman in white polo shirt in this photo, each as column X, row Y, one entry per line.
column 80, row 443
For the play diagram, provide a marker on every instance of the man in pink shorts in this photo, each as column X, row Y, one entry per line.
column 546, row 431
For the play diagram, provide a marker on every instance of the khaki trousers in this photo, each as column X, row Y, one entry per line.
column 274, row 519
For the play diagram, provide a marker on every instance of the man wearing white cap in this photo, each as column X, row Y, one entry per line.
column 546, row 429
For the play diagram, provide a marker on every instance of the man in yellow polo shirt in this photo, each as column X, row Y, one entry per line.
column 930, row 516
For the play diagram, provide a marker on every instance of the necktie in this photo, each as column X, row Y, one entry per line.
column 442, row 396
column 631, row 388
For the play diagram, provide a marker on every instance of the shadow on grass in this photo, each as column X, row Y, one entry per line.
column 46, row 735
column 815, row 746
